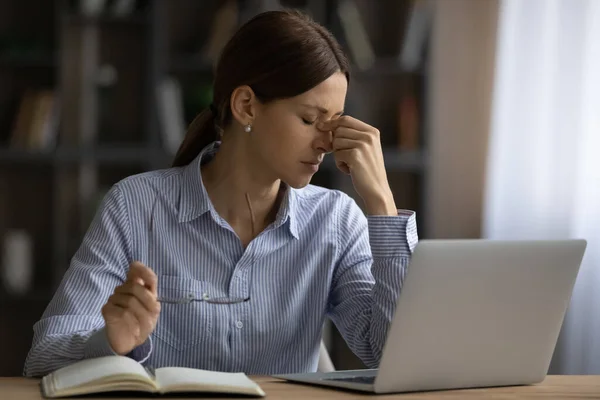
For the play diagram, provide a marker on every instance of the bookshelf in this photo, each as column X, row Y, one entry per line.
column 104, row 69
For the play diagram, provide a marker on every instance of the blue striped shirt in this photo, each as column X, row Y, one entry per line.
column 321, row 258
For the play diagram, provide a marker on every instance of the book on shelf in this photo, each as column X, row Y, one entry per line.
column 17, row 261
column 224, row 25
column 92, row 7
column 122, row 8
column 123, row 374
column 118, row 8
column 408, row 122
column 356, row 34
column 36, row 122
column 418, row 28
column 171, row 114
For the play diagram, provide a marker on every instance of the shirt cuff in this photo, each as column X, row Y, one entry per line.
column 393, row 236
column 98, row 346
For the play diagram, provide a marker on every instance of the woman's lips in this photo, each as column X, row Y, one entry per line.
column 313, row 166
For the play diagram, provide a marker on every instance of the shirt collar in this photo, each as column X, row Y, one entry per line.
column 194, row 200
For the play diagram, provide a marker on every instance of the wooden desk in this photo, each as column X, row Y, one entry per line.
column 554, row 387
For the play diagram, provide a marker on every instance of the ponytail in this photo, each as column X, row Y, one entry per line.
column 201, row 132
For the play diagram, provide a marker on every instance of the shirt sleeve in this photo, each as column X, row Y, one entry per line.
column 72, row 326
column 374, row 254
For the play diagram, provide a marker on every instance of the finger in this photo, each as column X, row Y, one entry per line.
column 144, row 296
column 111, row 310
column 345, row 121
column 127, row 301
column 113, row 313
column 132, row 304
column 345, row 159
column 138, row 271
column 345, row 144
column 349, row 133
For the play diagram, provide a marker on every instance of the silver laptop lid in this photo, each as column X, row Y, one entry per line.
column 476, row 313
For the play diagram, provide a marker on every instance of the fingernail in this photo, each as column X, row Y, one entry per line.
column 321, row 125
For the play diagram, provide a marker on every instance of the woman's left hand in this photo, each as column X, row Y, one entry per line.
column 357, row 151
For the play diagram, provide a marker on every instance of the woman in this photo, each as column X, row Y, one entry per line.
column 229, row 260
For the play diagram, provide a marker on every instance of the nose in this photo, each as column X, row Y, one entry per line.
column 324, row 141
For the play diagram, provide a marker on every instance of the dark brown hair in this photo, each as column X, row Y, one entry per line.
column 279, row 54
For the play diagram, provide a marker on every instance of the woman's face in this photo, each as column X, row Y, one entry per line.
column 285, row 131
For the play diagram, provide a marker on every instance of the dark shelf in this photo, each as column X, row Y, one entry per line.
column 117, row 155
column 125, row 155
column 25, row 156
column 33, row 297
column 395, row 160
column 106, row 154
column 405, row 160
column 27, row 61
column 190, row 64
column 106, row 19
column 386, row 67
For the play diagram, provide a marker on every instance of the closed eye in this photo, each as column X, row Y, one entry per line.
column 307, row 122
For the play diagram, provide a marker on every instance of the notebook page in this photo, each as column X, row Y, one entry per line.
column 92, row 369
column 179, row 376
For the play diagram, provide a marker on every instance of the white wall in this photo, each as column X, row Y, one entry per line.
column 461, row 69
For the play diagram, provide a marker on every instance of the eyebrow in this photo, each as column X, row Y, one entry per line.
column 321, row 109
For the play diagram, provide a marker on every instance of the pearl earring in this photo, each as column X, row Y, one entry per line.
column 248, row 128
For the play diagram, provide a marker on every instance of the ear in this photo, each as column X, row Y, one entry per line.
column 243, row 105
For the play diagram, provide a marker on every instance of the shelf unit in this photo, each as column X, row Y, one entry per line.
column 53, row 193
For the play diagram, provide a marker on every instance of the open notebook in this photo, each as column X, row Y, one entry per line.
column 118, row 373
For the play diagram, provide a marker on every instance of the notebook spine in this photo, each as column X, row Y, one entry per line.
column 151, row 371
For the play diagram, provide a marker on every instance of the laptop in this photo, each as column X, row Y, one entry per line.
column 472, row 313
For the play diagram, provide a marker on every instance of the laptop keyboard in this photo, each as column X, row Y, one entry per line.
column 354, row 379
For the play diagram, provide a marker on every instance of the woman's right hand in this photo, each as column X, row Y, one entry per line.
column 131, row 312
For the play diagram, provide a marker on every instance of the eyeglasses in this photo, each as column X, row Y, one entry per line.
column 191, row 297
column 205, row 298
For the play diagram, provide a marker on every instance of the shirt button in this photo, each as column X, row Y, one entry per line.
column 239, row 324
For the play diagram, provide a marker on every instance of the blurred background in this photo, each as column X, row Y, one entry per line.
column 489, row 112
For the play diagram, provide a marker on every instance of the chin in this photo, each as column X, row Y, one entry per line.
column 297, row 182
